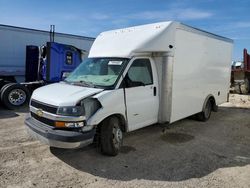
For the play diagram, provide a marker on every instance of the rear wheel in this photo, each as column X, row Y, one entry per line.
column 14, row 96
column 6, row 85
column 2, row 89
column 206, row 113
column 111, row 136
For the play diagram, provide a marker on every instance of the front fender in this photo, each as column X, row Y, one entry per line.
column 112, row 103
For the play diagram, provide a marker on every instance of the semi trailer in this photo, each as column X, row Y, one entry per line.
column 28, row 61
column 133, row 77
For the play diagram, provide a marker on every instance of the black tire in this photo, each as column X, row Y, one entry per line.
column 111, row 136
column 6, row 85
column 206, row 113
column 14, row 96
column 1, row 91
column 215, row 107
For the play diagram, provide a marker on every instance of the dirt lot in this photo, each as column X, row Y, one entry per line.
column 189, row 154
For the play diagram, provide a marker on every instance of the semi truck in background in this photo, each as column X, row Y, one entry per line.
column 28, row 60
column 240, row 74
column 132, row 78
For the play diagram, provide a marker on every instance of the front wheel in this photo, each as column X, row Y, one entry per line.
column 111, row 136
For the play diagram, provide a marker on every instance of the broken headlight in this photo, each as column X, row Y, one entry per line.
column 70, row 111
column 91, row 105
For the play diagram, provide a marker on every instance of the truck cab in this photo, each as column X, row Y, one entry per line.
column 92, row 95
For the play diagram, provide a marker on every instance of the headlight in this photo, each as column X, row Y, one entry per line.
column 70, row 111
column 90, row 105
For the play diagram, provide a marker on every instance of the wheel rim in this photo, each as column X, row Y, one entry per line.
column 117, row 135
column 208, row 108
column 17, row 97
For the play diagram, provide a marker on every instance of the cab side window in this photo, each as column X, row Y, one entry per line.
column 139, row 74
column 69, row 58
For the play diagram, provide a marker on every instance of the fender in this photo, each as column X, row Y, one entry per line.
column 100, row 115
column 214, row 106
column 112, row 102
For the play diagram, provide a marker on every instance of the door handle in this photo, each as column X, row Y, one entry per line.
column 154, row 91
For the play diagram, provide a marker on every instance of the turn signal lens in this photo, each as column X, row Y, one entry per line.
column 59, row 124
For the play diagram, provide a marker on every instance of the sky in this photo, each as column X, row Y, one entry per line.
column 229, row 18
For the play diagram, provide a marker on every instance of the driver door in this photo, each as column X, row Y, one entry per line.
column 142, row 99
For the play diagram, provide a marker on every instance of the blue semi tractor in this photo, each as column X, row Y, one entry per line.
column 45, row 65
column 25, row 67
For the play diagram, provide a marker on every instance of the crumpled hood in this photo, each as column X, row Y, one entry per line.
column 62, row 94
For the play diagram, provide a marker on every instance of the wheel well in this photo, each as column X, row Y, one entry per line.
column 121, row 120
column 8, row 79
column 4, row 80
column 213, row 101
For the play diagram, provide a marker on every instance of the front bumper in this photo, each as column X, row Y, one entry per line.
column 58, row 138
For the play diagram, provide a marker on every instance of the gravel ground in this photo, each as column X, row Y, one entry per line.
column 188, row 154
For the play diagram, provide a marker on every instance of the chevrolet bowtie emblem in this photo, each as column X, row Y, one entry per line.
column 39, row 112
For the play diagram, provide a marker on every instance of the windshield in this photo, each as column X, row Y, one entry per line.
column 102, row 72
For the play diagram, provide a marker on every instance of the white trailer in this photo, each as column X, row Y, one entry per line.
column 13, row 42
column 134, row 77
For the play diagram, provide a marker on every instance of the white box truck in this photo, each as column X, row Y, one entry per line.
column 133, row 77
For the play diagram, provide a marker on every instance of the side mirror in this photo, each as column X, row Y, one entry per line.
column 65, row 75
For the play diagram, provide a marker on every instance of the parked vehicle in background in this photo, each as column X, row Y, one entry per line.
column 26, row 65
column 240, row 74
column 132, row 78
